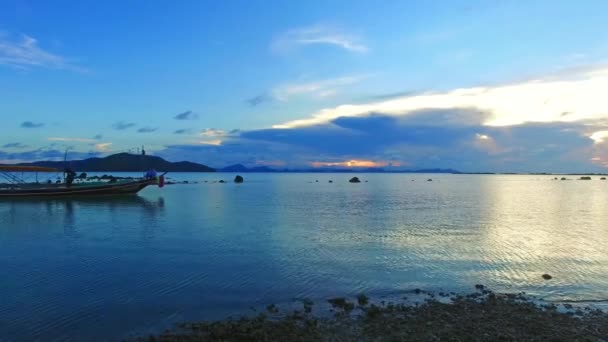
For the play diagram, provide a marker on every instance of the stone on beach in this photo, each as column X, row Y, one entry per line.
column 355, row 180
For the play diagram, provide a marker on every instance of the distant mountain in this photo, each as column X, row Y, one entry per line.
column 125, row 162
column 235, row 168
column 243, row 169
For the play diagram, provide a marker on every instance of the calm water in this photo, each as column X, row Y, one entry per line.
column 105, row 269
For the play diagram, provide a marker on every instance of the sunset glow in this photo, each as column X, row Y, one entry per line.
column 353, row 163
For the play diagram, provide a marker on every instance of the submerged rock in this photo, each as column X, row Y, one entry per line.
column 238, row 179
column 354, row 180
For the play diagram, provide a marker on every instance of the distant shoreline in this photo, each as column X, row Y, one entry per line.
column 125, row 162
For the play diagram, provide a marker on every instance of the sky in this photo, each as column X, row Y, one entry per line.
column 498, row 86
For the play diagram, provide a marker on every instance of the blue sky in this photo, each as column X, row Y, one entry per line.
column 473, row 85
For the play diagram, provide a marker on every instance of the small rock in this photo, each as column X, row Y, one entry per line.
column 354, row 180
column 331, row 181
column 585, row 178
column 479, row 287
column 603, row 178
column 429, row 180
column 564, row 178
column 547, row 276
column 222, row 181
column 238, row 179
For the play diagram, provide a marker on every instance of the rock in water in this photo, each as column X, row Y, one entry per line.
column 354, row 180
column 238, row 179
column 547, row 276
column 429, row 180
column 222, row 181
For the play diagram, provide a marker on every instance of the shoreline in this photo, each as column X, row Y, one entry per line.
column 419, row 316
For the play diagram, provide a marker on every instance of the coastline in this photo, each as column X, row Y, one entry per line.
column 478, row 316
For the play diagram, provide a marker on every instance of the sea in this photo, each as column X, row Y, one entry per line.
column 110, row 268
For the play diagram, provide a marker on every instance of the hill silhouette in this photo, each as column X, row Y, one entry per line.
column 124, row 162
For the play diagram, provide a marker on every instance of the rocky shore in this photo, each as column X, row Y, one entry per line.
column 479, row 316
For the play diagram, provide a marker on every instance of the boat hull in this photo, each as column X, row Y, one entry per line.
column 128, row 188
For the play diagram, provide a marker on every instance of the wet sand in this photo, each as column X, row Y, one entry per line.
column 479, row 316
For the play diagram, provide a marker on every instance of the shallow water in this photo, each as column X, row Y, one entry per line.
column 113, row 267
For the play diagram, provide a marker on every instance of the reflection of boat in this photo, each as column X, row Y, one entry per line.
column 17, row 188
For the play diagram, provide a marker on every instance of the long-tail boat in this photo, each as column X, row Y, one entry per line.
column 17, row 187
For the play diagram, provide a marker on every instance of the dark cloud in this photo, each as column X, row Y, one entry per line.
column 98, row 137
column 188, row 115
column 427, row 139
column 121, row 125
column 14, row 145
column 368, row 135
column 147, row 129
column 30, row 124
column 231, row 152
column 183, row 131
column 257, row 100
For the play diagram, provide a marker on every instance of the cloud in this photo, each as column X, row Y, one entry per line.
column 426, row 139
column 353, row 163
column 98, row 137
column 212, row 132
column 318, row 35
column 555, row 123
column 147, row 129
column 24, row 53
column 318, row 88
column 182, row 131
column 577, row 93
column 30, row 124
column 392, row 95
column 257, row 100
column 188, row 115
column 82, row 140
column 103, row 147
column 121, row 125
column 14, row 145
column 215, row 142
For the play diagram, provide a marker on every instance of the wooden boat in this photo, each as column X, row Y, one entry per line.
column 17, row 188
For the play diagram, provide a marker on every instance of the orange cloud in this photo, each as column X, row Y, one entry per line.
column 354, row 163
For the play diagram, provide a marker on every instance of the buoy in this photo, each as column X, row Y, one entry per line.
column 161, row 181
